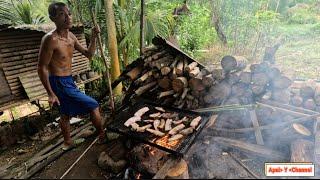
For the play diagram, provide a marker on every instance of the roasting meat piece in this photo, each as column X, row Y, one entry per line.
column 195, row 122
column 141, row 111
column 175, row 137
column 162, row 124
column 154, row 115
column 184, row 119
column 160, row 109
column 186, row 131
column 148, row 120
column 156, row 132
column 156, row 124
column 166, row 115
column 168, row 125
column 132, row 120
column 176, row 129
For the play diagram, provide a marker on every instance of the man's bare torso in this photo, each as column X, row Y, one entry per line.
column 61, row 61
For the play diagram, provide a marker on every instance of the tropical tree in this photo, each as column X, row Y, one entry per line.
column 19, row 12
column 112, row 44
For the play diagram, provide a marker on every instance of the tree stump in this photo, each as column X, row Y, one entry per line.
column 178, row 171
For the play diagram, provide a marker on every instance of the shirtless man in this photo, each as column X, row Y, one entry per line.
column 54, row 69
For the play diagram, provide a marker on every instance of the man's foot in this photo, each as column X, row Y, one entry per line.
column 102, row 139
column 68, row 146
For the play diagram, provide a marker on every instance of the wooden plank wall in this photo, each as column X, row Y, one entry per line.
column 19, row 56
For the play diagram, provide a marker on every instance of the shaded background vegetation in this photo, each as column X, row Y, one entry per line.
column 249, row 26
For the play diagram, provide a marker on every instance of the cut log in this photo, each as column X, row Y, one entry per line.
column 185, row 64
column 194, row 72
column 165, row 70
column 208, row 80
column 231, row 63
column 173, row 74
column 309, row 104
column 191, row 66
column 259, row 150
column 296, row 101
column 144, row 88
column 134, row 73
column 259, row 68
column 307, row 92
column 232, row 78
column 147, row 159
column 245, row 77
column 166, row 93
column 179, row 69
column 143, row 77
column 273, row 73
column 260, row 79
column 281, row 82
column 239, row 89
column 218, row 74
column 282, row 96
column 218, row 93
column 257, row 90
column 302, row 151
column 196, row 84
column 184, row 93
column 179, row 84
column 178, row 171
column 165, row 83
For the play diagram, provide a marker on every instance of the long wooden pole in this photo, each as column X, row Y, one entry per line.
column 105, row 63
column 142, row 28
column 84, row 152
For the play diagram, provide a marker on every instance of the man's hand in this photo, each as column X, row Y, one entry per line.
column 53, row 99
column 95, row 30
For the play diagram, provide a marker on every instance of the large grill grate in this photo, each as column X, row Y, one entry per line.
column 177, row 148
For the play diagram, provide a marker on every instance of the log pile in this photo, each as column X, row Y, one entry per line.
column 173, row 79
column 177, row 80
column 306, row 95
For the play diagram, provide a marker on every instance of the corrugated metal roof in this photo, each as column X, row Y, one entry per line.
column 40, row 28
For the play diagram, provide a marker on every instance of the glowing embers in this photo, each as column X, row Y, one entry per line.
column 164, row 141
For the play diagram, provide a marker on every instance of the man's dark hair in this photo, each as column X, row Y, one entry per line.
column 53, row 7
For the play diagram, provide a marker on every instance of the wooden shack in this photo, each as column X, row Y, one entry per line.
column 19, row 48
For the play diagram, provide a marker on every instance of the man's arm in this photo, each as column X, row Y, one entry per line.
column 92, row 46
column 45, row 55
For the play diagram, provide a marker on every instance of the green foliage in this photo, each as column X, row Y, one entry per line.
column 195, row 31
column 302, row 16
column 6, row 15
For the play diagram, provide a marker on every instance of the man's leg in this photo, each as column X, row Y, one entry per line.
column 65, row 129
column 97, row 122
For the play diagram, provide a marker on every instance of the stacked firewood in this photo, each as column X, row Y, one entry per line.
column 307, row 95
column 173, row 79
column 238, row 84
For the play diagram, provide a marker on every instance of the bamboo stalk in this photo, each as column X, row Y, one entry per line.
column 105, row 63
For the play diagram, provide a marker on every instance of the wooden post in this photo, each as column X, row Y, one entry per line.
column 142, row 27
column 255, row 123
column 105, row 63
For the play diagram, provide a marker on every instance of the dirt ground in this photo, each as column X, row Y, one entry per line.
column 86, row 168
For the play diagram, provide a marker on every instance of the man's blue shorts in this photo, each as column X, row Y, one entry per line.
column 72, row 101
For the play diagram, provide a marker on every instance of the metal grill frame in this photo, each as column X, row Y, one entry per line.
column 117, row 126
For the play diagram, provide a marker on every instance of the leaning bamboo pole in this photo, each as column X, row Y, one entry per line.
column 105, row 63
